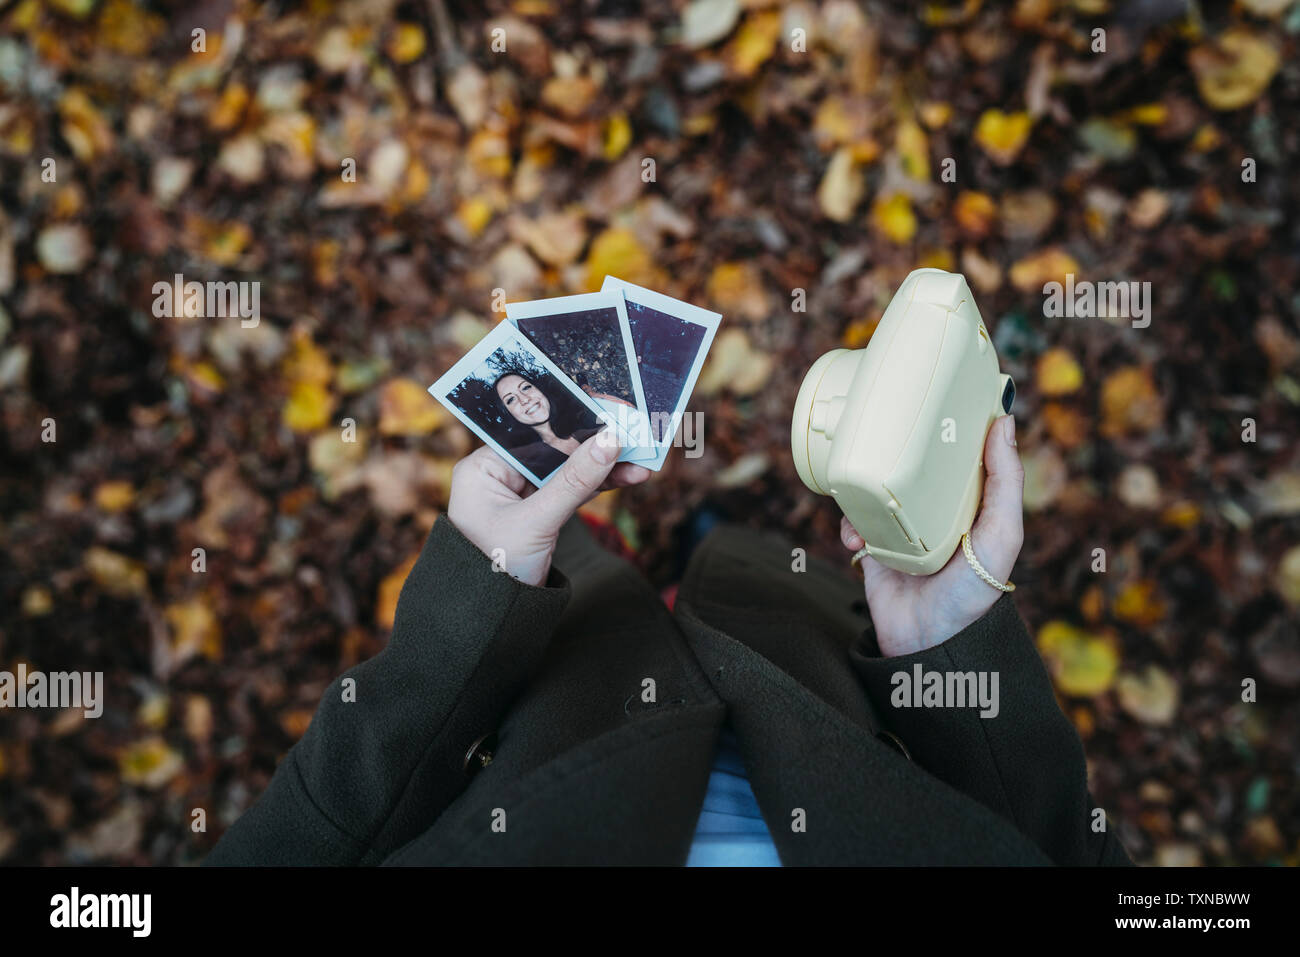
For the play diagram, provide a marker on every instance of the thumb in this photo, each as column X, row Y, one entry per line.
column 578, row 480
column 1001, row 522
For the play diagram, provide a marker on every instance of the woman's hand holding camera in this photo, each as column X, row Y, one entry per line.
column 911, row 613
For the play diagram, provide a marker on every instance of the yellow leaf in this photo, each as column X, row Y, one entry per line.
column 37, row 601
column 1003, row 135
column 308, row 407
column 618, row 136
column 617, row 252
column 406, row 408
column 1129, row 402
column 569, row 95
column 150, row 763
column 859, row 333
column 1058, row 373
column 406, row 43
column 204, row 377
column 893, row 216
column 194, row 629
column 1288, row 576
column 118, row 575
column 1234, row 71
column 127, row 28
column 737, row 288
column 1207, row 138
column 224, row 243
column 153, row 711
column 1148, row 114
column 913, row 150
column 84, row 126
column 755, row 42
column 307, row 362
column 1050, row 265
column 390, row 589
column 228, row 110
column 1067, row 426
column 935, row 114
column 1082, row 664
column 1182, row 515
column 975, row 212
column 841, row 187
column 832, row 124
column 114, row 496
column 1139, row 604
column 489, row 153
column 936, row 259
column 474, row 214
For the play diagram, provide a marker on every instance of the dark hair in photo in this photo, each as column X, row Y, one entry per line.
column 477, row 397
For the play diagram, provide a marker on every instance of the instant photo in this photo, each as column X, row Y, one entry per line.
column 520, row 403
column 589, row 339
column 671, row 339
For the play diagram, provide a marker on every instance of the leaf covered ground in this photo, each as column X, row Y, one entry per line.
column 382, row 169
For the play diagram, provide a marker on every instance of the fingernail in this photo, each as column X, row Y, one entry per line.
column 606, row 448
column 1009, row 430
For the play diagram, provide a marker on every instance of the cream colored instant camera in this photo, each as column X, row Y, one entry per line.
column 895, row 432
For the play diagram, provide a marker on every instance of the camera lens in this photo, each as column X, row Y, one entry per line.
column 1008, row 395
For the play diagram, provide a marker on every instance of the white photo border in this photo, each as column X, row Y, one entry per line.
column 588, row 302
column 473, row 360
column 687, row 313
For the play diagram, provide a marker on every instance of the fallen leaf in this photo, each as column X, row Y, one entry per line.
column 1139, row 603
column 1234, row 70
column 308, row 407
column 1045, row 477
column 1287, row 580
column 1003, row 135
column 1058, row 373
column 150, row 763
column 618, row 252
column 892, row 215
column 1150, row 696
column 705, row 22
column 842, row 186
column 1082, row 664
column 736, row 289
column 1049, row 265
column 118, row 575
column 114, row 496
column 734, row 364
column 64, row 248
column 194, row 629
column 1129, row 402
column 407, row 408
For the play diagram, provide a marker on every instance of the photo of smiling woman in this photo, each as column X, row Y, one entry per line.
column 525, row 409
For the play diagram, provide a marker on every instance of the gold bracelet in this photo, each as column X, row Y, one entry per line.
column 969, row 552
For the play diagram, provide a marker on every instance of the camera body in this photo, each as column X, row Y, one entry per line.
column 895, row 432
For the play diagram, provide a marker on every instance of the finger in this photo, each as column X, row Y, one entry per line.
column 625, row 474
column 1002, row 517
column 494, row 466
column 578, row 480
column 849, row 535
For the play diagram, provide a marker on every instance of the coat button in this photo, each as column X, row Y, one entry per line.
column 895, row 742
column 480, row 753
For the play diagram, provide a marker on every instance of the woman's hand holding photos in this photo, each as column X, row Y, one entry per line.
column 911, row 612
column 515, row 524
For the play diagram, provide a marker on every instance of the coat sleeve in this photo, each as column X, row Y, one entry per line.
column 1025, row 763
column 384, row 753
